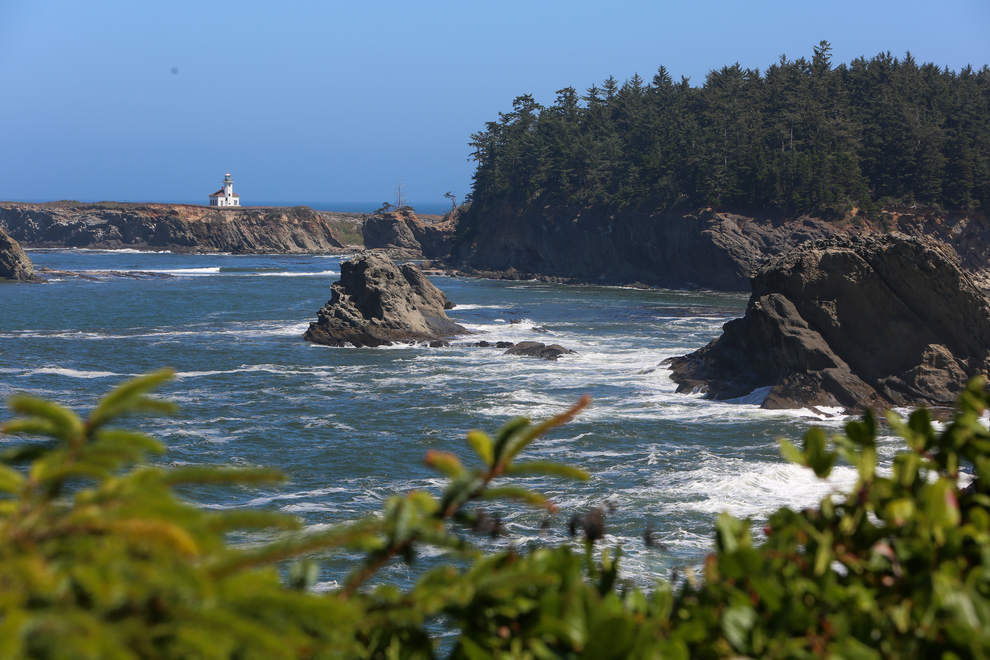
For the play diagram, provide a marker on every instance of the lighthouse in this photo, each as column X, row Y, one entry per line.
column 226, row 195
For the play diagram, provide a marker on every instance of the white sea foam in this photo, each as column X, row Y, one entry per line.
column 287, row 273
column 71, row 373
column 246, row 368
column 748, row 488
column 178, row 272
column 252, row 329
column 99, row 250
column 211, row 270
column 465, row 307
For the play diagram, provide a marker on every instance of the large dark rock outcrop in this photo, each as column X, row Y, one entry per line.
column 868, row 322
column 678, row 249
column 14, row 262
column 377, row 303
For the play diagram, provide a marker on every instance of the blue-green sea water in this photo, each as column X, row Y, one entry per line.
column 350, row 426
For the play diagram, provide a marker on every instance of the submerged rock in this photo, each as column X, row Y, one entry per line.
column 490, row 344
column 864, row 322
column 14, row 262
column 377, row 303
column 539, row 349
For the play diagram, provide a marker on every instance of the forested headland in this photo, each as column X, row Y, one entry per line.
column 802, row 136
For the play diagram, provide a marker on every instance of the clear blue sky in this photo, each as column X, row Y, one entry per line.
column 337, row 101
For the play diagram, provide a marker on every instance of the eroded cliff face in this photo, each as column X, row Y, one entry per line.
column 705, row 249
column 177, row 227
column 406, row 235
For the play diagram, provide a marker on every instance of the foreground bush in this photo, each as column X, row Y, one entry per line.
column 99, row 558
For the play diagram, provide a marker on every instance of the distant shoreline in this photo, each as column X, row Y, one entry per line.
column 364, row 208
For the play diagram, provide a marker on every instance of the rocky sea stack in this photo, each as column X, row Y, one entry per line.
column 14, row 262
column 378, row 303
column 852, row 322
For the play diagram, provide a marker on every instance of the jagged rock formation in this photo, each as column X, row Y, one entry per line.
column 539, row 349
column 377, row 303
column 177, row 227
column 705, row 249
column 406, row 235
column 869, row 322
column 14, row 262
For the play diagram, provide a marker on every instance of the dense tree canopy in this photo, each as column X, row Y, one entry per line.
column 801, row 136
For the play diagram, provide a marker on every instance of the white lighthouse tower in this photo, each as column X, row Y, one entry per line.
column 226, row 195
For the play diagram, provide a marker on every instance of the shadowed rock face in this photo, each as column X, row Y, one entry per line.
column 14, row 262
column 703, row 249
column 869, row 322
column 405, row 235
column 377, row 303
column 391, row 231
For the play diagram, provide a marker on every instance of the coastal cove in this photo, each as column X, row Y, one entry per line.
column 351, row 426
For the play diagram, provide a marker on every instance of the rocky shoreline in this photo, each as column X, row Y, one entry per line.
column 866, row 322
column 179, row 227
column 706, row 249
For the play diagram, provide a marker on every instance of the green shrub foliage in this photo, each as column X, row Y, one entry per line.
column 100, row 558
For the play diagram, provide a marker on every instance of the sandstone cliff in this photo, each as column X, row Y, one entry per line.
column 14, row 262
column 177, row 227
column 864, row 322
column 377, row 303
column 705, row 249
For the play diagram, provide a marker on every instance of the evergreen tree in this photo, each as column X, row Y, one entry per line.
column 803, row 136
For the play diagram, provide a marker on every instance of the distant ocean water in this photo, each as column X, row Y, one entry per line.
column 350, row 426
column 435, row 208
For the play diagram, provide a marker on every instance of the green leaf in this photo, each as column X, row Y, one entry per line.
column 482, row 445
column 29, row 426
column 867, row 464
column 731, row 533
column 508, row 431
column 11, row 481
column 129, row 397
column 899, row 511
column 819, row 460
column 66, row 425
column 737, row 621
column 942, row 503
column 791, row 453
column 444, row 462
column 517, row 493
